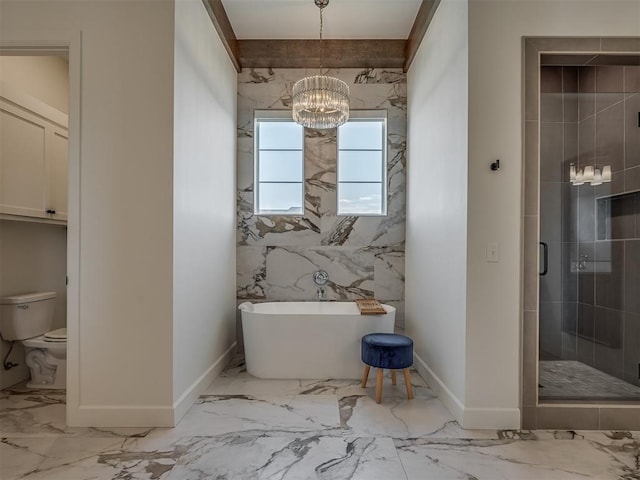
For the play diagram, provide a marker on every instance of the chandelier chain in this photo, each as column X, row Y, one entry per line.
column 321, row 45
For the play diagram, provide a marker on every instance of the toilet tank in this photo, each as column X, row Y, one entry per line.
column 27, row 315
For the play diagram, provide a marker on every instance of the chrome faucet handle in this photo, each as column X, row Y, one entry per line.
column 322, row 294
column 320, row 277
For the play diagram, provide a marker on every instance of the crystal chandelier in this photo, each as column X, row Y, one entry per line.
column 320, row 101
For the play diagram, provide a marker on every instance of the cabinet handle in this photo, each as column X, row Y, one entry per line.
column 52, row 212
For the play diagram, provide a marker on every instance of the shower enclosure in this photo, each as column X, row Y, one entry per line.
column 589, row 228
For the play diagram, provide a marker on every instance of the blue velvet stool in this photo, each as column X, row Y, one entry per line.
column 387, row 350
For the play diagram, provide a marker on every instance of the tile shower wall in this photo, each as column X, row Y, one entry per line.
column 364, row 256
column 588, row 300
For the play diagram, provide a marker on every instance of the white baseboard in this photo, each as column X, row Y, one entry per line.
column 468, row 418
column 446, row 396
column 150, row 415
column 187, row 399
column 491, row 418
column 106, row 416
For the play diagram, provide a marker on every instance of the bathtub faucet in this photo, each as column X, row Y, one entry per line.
column 320, row 278
column 322, row 294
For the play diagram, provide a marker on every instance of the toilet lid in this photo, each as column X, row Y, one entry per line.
column 59, row 335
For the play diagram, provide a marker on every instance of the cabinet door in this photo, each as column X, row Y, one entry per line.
column 33, row 159
column 23, row 186
column 57, row 163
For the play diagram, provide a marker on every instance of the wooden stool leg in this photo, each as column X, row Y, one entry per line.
column 407, row 381
column 393, row 377
column 365, row 376
column 379, row 386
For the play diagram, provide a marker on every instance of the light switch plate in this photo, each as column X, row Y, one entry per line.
column 493, row 252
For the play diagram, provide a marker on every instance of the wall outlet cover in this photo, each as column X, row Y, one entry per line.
column 493, row 252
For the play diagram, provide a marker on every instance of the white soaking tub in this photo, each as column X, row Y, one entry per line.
column 314, row 340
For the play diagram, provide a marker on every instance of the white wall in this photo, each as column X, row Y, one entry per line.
column 43, row 77
column 204, row 204
column 33, row 258
column 436, row 245
column 469, row 337
column 495, row 131
column 123, row 342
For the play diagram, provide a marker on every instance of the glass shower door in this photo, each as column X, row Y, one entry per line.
column 589, row 297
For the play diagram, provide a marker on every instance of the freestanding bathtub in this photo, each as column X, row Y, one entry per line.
column 312, row 340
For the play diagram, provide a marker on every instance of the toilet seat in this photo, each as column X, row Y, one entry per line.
column 59, row 336
column 41, row 342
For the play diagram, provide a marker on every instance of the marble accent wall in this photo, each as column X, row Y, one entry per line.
column 364, row 256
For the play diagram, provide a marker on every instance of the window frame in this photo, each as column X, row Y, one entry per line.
column 272, row 116
column 366, row 116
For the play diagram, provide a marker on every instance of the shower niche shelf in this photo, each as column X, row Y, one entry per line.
column 618, row 216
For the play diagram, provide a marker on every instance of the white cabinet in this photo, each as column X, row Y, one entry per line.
column 33, row 157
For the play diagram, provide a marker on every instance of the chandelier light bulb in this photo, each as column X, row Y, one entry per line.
column 597, row 178
column 572, row 173
column 606, row 173
column 579, row 178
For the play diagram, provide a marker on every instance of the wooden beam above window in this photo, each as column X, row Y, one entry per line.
column 375, row 53
column 336, row 53
column 421, row 23
column 221, row 22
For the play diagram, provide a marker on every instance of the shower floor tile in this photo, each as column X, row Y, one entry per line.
column 571, row 380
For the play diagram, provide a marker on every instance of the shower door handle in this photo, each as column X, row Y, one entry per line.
column 545, row 259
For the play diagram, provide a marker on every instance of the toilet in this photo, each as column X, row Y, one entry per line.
column 27, row 318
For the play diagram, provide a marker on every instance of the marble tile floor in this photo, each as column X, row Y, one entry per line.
column 247, row 428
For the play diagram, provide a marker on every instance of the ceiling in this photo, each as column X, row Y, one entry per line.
column 300, row 19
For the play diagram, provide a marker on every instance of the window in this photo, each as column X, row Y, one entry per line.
column 362, row 164
column 279, row 161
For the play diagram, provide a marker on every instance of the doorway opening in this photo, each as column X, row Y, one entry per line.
column 581, row 321
column 64, row 224
column 589, row 307
column 34, row 109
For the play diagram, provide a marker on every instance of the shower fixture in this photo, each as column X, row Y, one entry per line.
column 320, row 278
